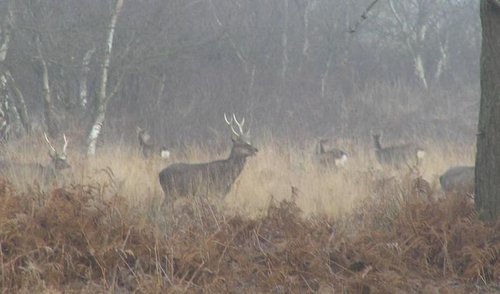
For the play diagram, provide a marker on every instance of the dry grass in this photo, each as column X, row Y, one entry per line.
column 287, row 226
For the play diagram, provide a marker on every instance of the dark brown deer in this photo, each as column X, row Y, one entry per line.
column 398, row 155
column 458, row 179
column 332, row 157
column 46, row 174
column 212, row 178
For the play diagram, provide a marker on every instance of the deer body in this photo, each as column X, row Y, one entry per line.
column 148, row 147
column 22, row 171
column 211, row 178
column 459, row 179
column 330, row 158
column 214, row 177
column 408, row 154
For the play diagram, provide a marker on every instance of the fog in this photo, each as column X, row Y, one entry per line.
column 295, row 69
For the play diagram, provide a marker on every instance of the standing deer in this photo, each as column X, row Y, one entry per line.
column 458, row 179
column 408, row 154
column 147, row 146
column 211, row 178
column 44, row 173
column 332, row 157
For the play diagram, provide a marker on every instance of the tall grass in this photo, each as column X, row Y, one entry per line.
column 286, row 226
column 269, row 176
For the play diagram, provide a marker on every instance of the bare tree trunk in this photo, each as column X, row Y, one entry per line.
column 326, row 73
column 5, row 30
column 443, row 60
column 284, row 44
column 50, row 120
column 103, row 97
column 161, row 89
column 83, row 95
column 4, row 111
column 488, row 139
column 21, row 108
column 310, row 5
column 414, row 38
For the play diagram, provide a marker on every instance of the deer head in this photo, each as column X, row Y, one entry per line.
column 59, row 160
column 241, row 140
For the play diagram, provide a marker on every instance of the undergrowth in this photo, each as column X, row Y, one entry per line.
column 398, row 240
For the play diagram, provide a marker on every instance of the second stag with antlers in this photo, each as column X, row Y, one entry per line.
column 44, row 174
column 211, row 178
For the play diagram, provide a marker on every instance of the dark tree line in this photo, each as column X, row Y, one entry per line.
column 293, row 66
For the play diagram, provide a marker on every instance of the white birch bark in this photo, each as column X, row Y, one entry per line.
column 5, row 34
column 326, row 73
column 310, row 6
column 443, row 60
column 49, row 116
column 83, row 99
column 22, row 109
column 103, row 97
column 284, row 43
column 19, row 109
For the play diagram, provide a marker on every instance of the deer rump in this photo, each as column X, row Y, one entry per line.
column 458, row 179
column 203, row 179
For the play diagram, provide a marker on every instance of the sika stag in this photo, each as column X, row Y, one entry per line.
column 212, row 178
column 46, row 174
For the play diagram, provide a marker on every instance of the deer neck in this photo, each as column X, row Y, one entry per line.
column 236, row 161
column 376, row 141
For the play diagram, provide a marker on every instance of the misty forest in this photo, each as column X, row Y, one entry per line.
column 287, row 146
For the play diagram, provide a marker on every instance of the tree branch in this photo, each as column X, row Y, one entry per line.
column 364, row 16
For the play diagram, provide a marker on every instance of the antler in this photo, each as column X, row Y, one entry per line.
column 238, row 132
column 230, row 123
column 50, row 145
column 240, row 125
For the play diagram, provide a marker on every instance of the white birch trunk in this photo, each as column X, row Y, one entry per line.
column 443, row 61
column 311, row 4
column 95, row 131
column 22, row 109
column 161, row 89
column 326, row 73
column 420, row 70
column 284, row 44
column 50, row 122
column 19, row 109
column 83, row 99
column 103, row 98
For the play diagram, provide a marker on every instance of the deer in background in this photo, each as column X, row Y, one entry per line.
column 330, row 158
column 147, row 146
column 458, row 179
column 211, row 178
column 397, row 155
column 45, row 173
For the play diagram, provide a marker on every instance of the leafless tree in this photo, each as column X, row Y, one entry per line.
column 103, row 95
